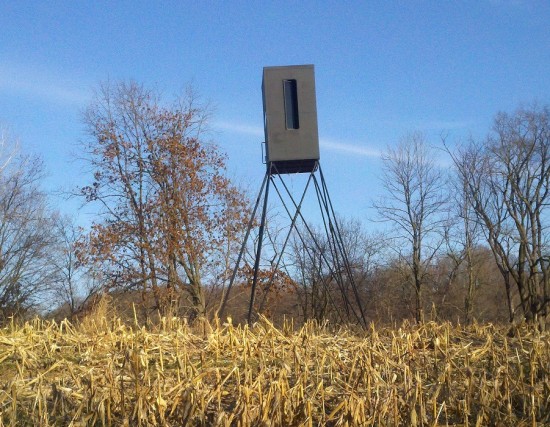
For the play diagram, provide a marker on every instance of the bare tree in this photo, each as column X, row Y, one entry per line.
column 462, row 237
column 415, row 206
column 508, row 177
column 318, row 294
column 74, row 283
column 315, row 293
column 26, row 236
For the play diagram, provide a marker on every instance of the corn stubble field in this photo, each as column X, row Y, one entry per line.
column 106, row 373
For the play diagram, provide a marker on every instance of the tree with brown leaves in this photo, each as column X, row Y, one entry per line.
column 169, row 215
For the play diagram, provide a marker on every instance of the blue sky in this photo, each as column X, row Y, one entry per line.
column 382, row 68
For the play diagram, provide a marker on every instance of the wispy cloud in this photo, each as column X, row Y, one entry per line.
column 325, row 143
column 239, row 128
column 344, row 147
column 40, row 83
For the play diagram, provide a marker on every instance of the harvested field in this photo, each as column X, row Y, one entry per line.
column 106, row 373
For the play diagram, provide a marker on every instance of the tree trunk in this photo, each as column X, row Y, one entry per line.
column 469, row 300
column 419, row 309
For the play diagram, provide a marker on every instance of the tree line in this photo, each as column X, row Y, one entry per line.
column 464, row 241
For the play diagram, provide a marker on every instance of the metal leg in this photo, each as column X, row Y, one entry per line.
column 258, row 252
column 338, row 267
column 338, row 244
column 243, row 247
column 342, row 247
column 292, row 225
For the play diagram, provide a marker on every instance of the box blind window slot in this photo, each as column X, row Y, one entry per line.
column 291, row 104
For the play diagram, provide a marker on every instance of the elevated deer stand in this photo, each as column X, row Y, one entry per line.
column 292, row 146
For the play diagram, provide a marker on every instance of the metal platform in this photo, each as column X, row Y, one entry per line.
column 292, row 166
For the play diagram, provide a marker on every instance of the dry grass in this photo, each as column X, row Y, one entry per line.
column 104, row 373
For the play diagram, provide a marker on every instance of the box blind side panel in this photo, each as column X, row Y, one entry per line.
column 290, row 113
